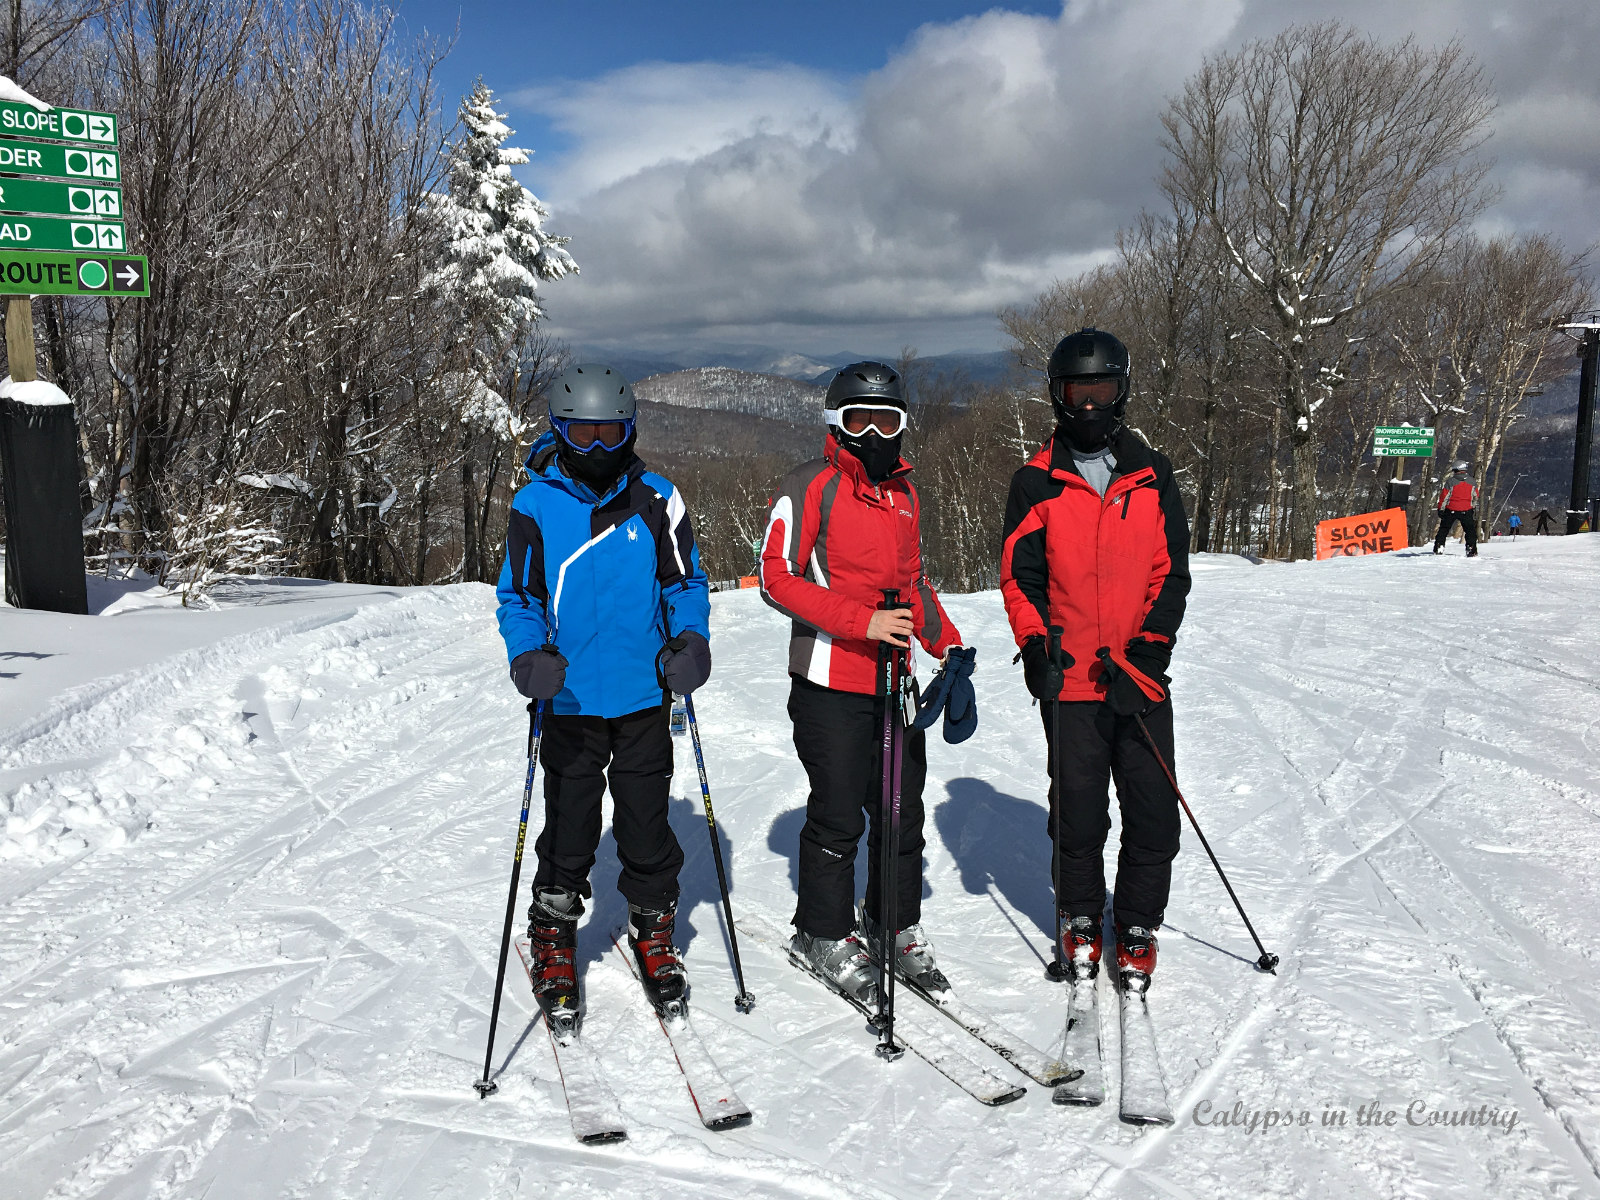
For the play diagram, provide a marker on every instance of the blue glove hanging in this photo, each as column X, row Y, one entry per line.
column 950, row 692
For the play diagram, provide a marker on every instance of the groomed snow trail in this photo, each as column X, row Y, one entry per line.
column 249, row 954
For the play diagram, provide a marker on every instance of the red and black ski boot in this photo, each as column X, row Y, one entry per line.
column 1136, row 957
column 660, row 969
column 1079, row 957
column 553, row 940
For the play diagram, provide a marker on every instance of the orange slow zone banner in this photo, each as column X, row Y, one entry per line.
column 1365, row 533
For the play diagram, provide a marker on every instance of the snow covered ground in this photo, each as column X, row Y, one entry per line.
column 254, row 864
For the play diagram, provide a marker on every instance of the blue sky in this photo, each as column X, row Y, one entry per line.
column 827, row 176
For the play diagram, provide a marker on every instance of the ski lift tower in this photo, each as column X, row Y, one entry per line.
column 1585, row 327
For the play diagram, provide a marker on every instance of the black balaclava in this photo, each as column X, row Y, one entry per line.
column 1089, row 429
column 879, row 455
column 597, row 467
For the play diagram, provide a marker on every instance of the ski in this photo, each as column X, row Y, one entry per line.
column 713, row 1096
column 924, row 1037
column 590, row 1104
column 1082, row 1045
column 1144, row 1091
column 1035, row 1064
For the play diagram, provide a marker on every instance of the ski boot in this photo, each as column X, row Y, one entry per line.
column 1136, row 957
column 913, row 957
column 843, row 963
column 553, row 939
column 1079, row 956
column 660, row 969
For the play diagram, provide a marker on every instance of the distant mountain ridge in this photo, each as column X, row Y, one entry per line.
column 757, row 394
column 989, row 367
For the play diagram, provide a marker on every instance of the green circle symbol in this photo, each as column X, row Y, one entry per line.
column 78, row 162
column 80, row 201
column 92, row 275
column 83, row 235
column 74, row 125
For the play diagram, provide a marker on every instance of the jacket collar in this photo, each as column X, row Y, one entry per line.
column 1132, row 455
column 544, row 465
column 849, row 465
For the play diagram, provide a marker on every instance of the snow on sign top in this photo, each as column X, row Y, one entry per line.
column 33, row 391
column 57, row 124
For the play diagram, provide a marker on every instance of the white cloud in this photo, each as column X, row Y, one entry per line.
column 986, row 158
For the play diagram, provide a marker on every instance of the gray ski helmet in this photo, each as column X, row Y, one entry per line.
column 1461, row 466
column 868, row 381
column 591, row 392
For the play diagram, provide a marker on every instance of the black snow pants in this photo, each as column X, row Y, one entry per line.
column 633, row 754
column 1096, row 747
column 1469, row 526
column 838, row 736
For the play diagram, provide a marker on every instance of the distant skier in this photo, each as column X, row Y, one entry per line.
column 1541, row 522
column 604, row 609
column 840, row 530
column 1514, row 523
column 1096, row 542
column 1458, row 501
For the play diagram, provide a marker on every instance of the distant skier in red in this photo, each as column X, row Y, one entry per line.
column 1096, row 542
column 1458, row 501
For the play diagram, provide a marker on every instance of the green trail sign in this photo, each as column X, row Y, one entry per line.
column 26, row 273
column 59, row 162
column 60, row 199
column 59, row 233
column 58, row 124
column 1402, row 441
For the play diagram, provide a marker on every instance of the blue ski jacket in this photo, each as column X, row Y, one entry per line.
column 599, row 574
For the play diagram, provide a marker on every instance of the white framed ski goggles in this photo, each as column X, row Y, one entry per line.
column 885, row 419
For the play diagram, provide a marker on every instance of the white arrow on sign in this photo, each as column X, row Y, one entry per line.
column 128, row 275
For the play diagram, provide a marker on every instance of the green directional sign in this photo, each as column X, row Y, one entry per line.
column 29, row 273
column 58, row 124
column 60, row 233
column 60, row 199
column 1402, row 441
column 59, row 162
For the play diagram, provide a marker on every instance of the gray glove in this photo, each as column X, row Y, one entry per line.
column 539, row 674
column 684, row 663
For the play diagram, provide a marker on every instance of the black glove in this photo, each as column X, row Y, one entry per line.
column 684, row 663
column 1043, row 677
column 1123, row 694
column 539, row 674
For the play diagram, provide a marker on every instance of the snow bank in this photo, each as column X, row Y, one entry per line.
column 32, row 391
column 10, row 91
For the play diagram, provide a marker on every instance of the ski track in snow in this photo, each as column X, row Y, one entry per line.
column 253, row 896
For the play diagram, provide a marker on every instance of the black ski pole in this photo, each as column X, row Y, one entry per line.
column 1267, row 962
column 487, row 1087
column 745, row 1000
column 889, row 839
column 1057, row 970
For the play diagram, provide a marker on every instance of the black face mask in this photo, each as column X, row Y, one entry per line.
column 878, row 455
column 597, row 467
column 1088, row 429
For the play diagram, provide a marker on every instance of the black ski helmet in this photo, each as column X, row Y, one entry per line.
column 1089, row 354
column 873, row 383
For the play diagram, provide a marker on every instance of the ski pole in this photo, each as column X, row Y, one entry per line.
column 1057, row 969
column 744, row 1001
column 889, row 839
column 487, row 1087
column 1267, row 962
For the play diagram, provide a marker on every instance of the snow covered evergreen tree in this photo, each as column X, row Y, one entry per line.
column 495, row 251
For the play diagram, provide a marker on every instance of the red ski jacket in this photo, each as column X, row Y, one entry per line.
column 1460, row 496
column 1106, row 569
column 834, row 541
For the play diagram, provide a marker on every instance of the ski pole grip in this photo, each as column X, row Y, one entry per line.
column 1055, row 642
column 891, row 598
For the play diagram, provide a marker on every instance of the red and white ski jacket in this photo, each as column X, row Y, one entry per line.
column 1107, row 569
column 834, row 541
column 1460, row 496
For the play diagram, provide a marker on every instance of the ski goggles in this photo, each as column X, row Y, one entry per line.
column 1081, row 393
column 885, row 419
column 585, row 435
